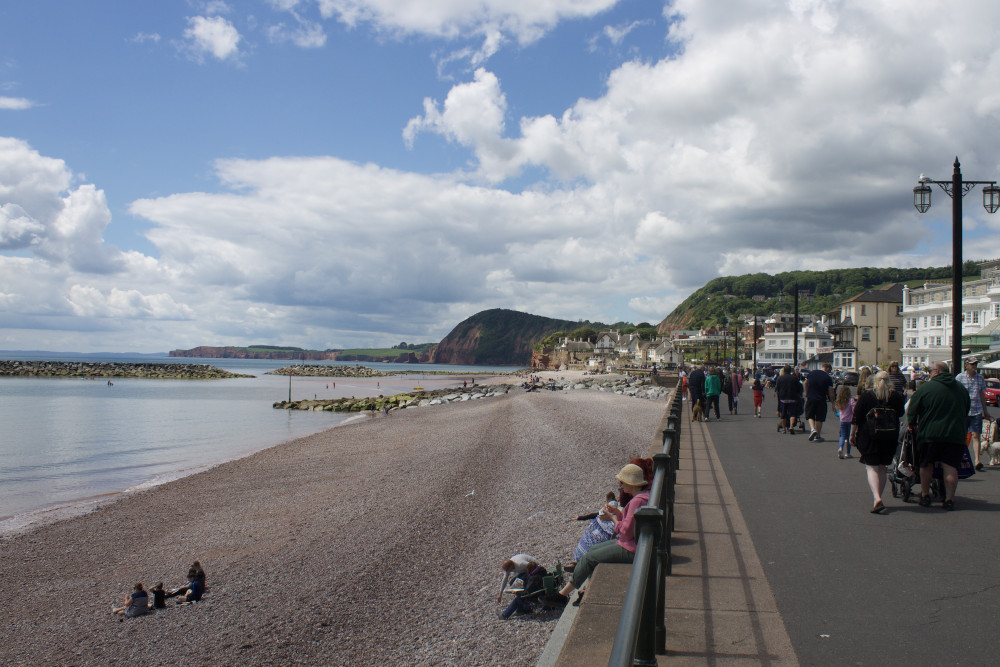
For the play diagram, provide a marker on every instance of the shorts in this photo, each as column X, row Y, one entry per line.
column 949, row 453
column 788, row 409
column 974, row 424
column 816, row 409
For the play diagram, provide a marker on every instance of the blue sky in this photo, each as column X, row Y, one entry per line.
column 341, row 173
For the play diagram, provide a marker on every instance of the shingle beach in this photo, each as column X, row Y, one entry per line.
column 373, row 543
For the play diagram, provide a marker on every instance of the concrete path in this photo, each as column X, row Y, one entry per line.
column 916, row 585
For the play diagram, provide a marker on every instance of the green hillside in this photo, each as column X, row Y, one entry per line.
column 728, row 297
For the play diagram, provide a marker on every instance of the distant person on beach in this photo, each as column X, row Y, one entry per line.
column 195, row 587
column 632, row 480
column 159, row 596
column 135, row 604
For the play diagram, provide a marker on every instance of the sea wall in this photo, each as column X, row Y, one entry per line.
column 86, row 369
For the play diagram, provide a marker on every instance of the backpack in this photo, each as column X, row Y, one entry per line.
column 727, row 384
column 882, row 423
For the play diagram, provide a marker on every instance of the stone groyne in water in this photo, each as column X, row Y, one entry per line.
column 87, row 369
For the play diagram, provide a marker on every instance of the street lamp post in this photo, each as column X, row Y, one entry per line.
column 956, row 188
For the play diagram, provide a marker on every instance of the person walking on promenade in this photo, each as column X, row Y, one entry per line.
column 735, row 385
column 897, row 378
column 818, row 390
column 622, row 550
column 937, row 412
column 875, row 432
column 844, row 406
column 788, row 389
column 758, row 398
column 863, row 376
column 696, row 385
column 713, row 387
column 974, row 383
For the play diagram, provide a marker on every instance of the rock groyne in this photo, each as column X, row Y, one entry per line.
column 88, row 369
column 626, row 386
column 321, row 370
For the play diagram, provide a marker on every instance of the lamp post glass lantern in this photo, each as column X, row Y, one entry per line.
column 956, row 188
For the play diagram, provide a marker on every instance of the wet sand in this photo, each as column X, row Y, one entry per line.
column 376, row 542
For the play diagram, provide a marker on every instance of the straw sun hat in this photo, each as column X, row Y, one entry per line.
column 631, row 474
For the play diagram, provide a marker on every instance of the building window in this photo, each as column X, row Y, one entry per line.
column 937, row 320
column 866, row 333
column 864, row 310
column 892, row 335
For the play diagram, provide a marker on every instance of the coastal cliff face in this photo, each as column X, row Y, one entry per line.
column 459, row 346
column 498, row 337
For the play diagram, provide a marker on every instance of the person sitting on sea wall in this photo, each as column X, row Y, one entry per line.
column 622, row 550
column 600, row 529
column 135, row 604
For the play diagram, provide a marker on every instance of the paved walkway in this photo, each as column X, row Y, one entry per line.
column 778, row 561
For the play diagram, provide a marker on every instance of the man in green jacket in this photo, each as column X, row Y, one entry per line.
column 713, row 387
column 937, row 411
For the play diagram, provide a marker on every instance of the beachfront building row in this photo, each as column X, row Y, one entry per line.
column 778, row 348
column 927, row 313
column 614, row 349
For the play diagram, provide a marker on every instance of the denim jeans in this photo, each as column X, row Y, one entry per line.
column 845, row 437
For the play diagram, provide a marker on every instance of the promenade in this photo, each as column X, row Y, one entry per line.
column 777, row 560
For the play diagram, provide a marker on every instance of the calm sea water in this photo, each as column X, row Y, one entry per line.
column 67, row 443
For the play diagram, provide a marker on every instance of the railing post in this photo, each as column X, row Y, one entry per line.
column 664, row 551
column 648, row 519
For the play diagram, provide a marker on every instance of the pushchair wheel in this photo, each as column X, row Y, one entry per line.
column 895, row 488
column 906, row 491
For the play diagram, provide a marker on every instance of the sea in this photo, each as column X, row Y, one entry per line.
column 68, row 444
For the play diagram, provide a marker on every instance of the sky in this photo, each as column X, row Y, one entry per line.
column 359, row 173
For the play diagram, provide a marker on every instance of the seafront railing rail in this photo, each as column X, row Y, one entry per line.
column 642, row 631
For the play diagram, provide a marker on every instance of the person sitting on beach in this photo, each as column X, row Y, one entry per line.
column 135, row 604
column 195, row 587
column 622, row 550
column 518, row 565
column 159, row 596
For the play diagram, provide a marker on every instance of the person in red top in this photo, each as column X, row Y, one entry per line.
column 622, row 550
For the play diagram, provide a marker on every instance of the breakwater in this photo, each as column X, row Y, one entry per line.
column 626, row 386
column 318, row 370
column 85, row 369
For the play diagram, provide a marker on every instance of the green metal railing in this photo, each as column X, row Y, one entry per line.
column 642, row 631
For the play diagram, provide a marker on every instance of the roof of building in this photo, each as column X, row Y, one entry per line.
column 890, row 294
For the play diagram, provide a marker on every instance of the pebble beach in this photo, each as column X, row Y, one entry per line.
column 376, row 542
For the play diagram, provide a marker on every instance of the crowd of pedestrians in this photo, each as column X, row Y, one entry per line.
column 943, row 415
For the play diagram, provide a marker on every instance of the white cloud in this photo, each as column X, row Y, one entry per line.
column 15, row 103
column 143, row 37
column 212, row 35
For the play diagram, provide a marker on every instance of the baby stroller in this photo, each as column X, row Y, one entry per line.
column 905, row 476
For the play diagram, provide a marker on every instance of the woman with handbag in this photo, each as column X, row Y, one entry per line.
column 875, row 432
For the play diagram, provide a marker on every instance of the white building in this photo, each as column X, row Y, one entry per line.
column 776, row 348
column 927, row 315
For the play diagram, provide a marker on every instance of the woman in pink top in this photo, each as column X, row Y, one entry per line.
column 621, row 550
column 844, row 405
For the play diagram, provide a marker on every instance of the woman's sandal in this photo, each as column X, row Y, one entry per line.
column 879, row 508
